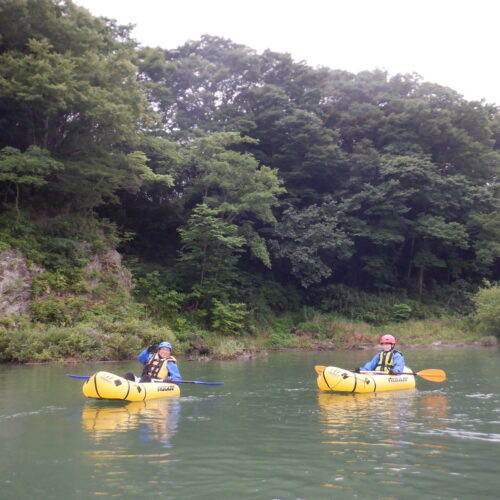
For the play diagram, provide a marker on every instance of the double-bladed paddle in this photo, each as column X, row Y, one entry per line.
column 432, row 374
column 86, row 377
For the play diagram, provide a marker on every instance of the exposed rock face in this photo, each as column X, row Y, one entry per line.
column 111, row 261
column 16, row 278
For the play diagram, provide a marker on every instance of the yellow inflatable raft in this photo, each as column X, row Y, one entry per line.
column 104, row 385
column 340, row 380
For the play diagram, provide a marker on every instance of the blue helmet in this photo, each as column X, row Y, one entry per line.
column 165, row 344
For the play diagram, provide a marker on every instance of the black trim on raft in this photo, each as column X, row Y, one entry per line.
column 128, row 389
column 95, row 385
column 326, row 381
column 355, row 383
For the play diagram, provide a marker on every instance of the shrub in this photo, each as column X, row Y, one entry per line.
column 400, row 312
column 228, row 348
column 228, row 318
column 54, row 344
column 282, row 339
column 487, row 302
column 162, row 300
column 62, row 311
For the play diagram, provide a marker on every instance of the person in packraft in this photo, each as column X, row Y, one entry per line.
column 388, row 360
column 158, row 364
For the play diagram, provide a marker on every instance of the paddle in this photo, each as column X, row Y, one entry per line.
column 196, row 382
column 432, row 374
column 86, row 377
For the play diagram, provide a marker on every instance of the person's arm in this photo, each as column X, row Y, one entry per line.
column 399, row 363
column 173, row 372
column 144, row 356
column 370, row 366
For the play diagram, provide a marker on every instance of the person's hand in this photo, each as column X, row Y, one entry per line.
column 153, row 348
column 357, row 370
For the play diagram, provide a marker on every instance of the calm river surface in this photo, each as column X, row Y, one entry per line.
column 266, row 434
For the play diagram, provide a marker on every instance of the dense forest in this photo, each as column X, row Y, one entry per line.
column 238, row 186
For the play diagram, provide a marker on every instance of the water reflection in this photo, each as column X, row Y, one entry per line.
column 369, row 434
column 379, row 419
column 351, row 418
column 156, row 419
column 434, row 410
column 123, row 435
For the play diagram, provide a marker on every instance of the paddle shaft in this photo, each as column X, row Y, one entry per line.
column 198, row 382
column 431, row 374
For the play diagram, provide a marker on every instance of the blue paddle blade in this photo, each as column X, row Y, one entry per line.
column 79, row 377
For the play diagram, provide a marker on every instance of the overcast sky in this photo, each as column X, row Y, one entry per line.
column 451, row 42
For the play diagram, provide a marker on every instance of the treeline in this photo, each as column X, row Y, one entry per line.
column 243, row 182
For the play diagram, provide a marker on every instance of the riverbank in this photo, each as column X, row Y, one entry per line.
column 486, row 342
column 324, row 333
column 119, row 341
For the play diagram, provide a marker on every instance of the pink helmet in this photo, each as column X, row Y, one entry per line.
column 387, row 339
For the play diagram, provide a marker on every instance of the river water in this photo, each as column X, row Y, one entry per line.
column 268, row 433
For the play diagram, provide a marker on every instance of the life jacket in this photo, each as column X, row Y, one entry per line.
column 385, row 361
column 157, row 367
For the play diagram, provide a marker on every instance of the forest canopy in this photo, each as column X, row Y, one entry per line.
column 232, row 172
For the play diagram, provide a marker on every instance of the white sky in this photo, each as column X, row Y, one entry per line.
column 451, row 42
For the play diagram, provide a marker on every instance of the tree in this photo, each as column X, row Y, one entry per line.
column 30, row 169
column 195, row 87
column 487, row 302
column 434, row 235
column 312, row 241
column 233, row 184
column 68, row 85
column 209, row 252
column 484, row 229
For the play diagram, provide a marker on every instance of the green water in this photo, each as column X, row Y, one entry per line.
column 266, row 434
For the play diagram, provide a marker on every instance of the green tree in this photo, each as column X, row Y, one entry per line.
column 209, row 253
column 312, row 241
column 484, row 229
column 487, row 302
column 195, row 87
column 434, row 235
column 30, row 169
column 68, row 85
column 234, row 185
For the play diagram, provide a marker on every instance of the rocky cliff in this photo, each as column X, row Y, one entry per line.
column 17, row 274
column 16, row 278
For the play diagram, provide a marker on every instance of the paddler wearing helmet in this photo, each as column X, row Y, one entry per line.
column 388, row 360
column 158, row 363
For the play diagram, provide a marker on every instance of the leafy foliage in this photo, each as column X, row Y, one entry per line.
column 240, row 177
column 487, row 315
column 312, row 242
column 228, row 318
column 400, row 312
column 209, row 251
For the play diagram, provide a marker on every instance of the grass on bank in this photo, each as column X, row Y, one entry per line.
column 326, row 331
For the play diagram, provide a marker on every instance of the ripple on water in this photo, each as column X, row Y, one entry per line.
column 40, row 411
column 463, row 434
column 480, row 396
